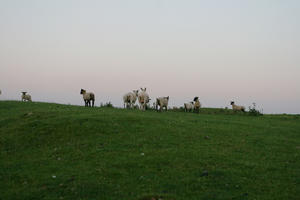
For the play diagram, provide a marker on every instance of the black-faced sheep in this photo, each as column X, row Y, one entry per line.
column 197, row 104
column 237, row 108
column 162, row 102
column 88, row 97
column 25, row 97
column 130, row 99
column 143, row 99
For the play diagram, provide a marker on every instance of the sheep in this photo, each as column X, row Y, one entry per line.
column 88, row 97
column 143, row 99
column 197, row 104
column 162, row 102
column 189, row 106
column 130, row 99
column 25, row 97
column 237, row 108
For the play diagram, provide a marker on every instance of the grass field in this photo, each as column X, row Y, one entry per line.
column 52, row 151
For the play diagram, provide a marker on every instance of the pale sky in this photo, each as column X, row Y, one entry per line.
column 246, row 51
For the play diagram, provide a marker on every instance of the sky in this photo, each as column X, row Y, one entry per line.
column 246, row 51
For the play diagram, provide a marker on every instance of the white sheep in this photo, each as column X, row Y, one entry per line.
column 88, row 97
column 162, row 102
column 189, row 106
column 130, row 99
column 197, row 104
column 237, row 108
column 143, row 99
column 25, row 97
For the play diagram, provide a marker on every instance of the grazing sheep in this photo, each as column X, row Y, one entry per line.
column 162, row 102
column 130, row 99
column 143, row 99
column 88, row 97
column 189, row 106
column 197, row 104
column 237, row 108
column 25, row 97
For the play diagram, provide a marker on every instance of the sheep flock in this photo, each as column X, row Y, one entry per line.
column 130, row 99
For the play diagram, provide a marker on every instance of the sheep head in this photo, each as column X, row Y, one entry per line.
column 82, row 91
column 196, row 98
column 136, row 92
column 24, row 93
column 231, row 103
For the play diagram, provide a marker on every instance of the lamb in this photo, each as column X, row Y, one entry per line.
column 130, row 99
column 88, row 97
column 143, row 99
column 189, row 106
column 197, row 104
column 162, row 102
column 25, row 97
column 237, row 108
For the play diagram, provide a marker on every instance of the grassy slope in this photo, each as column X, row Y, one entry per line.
column 106, row 153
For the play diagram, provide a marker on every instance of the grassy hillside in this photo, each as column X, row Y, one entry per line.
column 51, row 151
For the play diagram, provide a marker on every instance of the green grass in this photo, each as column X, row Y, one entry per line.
column 52, row 151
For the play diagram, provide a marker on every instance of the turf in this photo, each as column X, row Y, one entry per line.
column 52, row 151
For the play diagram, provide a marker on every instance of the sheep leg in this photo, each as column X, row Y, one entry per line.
column 93, row 103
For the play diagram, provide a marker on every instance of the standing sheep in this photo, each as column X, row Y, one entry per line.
column 189, row 106
column 162, row 102
column 197, row 104
column 88, row 97
column 143, row 99
column 130, row 99
column 237, row 108
column 25, row 97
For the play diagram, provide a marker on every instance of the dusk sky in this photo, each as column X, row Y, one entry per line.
column 246, row 51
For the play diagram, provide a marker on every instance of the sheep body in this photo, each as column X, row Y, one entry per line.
column 143, row 98
column 188, row 106
column 25, row 97
column 88, row 97
column 237, row 108
column 162, row 102
column 129, row 99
